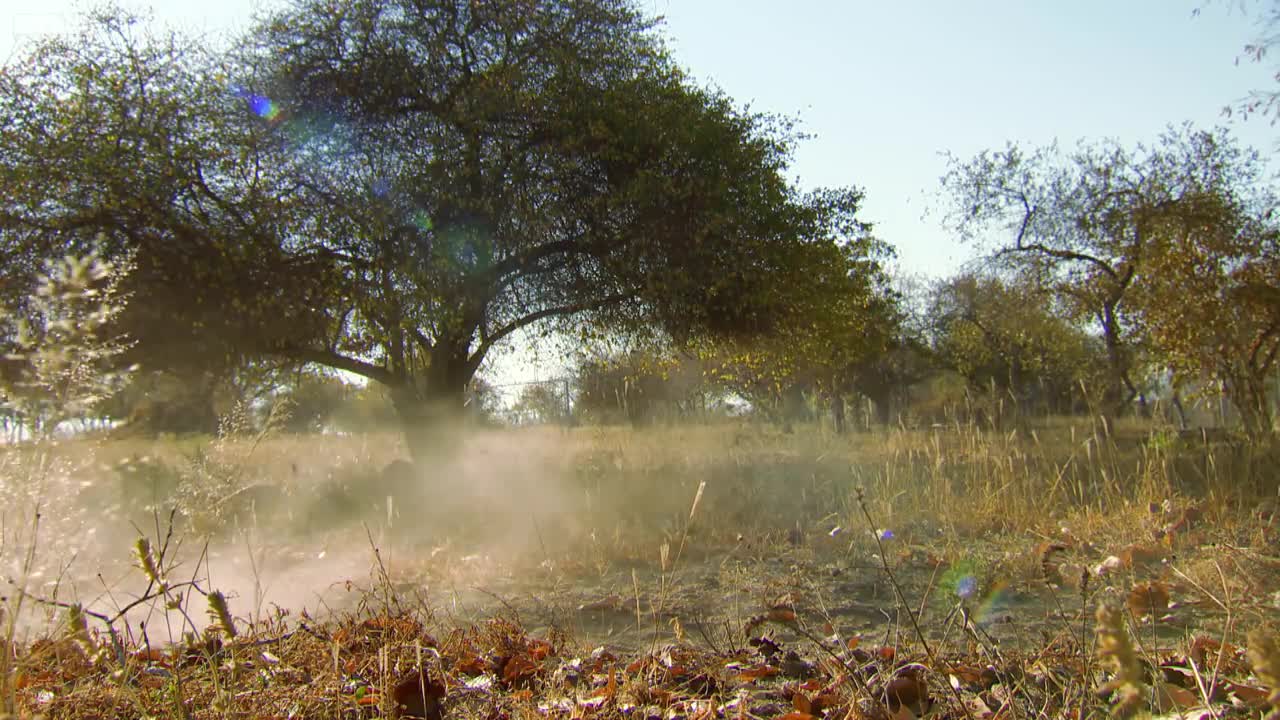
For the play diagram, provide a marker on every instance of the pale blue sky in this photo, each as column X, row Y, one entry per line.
column 887, row 85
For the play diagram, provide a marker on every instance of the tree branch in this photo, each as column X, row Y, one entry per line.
column 557, row 311
column 336, row 361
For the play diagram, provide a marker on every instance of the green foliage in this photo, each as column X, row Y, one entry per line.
column 1207, row 303
column 122, row 133
column 543, row 402
column 638, row 387
column 512, row 164
column 314, row 399
column 1009, row 336
column 1088, row 225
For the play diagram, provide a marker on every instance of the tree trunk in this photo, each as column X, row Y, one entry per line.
column 1182, row 413
column 837, row 413
column 882, row 401
column 1113, row 398
column 431, row 415
column 794, row 408
column 1248, row 393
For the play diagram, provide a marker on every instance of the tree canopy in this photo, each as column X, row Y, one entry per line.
column 1086, row 224
column 393, row 187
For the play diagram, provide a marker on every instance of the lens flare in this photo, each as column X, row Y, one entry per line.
column 994, row 607
column 422, row 221
column 961, row 578
column 259, row 105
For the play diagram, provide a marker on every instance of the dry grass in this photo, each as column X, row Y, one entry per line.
column 968, row 526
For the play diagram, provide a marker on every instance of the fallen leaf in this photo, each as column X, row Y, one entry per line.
column 907, row 689
column 1148, row 599
column 1169, row 697
column 756, row 672
column 1249, row 695
column 1048, row 553
column 519, row 670
column 781, row 615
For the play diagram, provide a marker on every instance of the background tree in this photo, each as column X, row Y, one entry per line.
column 1006, row 337
column 543, row 402
column 639, row 386
column 1266, row 13
column 836, row 320
column 886, row 378
column 483, row 402
column 1207, row 301
column 520, row 163
column 1082, row 224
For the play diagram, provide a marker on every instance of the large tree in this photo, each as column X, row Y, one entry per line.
column 122, row 136
column 1084, row 223
column 393, row 187
column 1210, row 300
column 491, row 166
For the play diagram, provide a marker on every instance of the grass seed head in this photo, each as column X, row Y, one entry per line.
column 1116, row 648
column 146, row 560
column 221, row 614
column 1264, row 656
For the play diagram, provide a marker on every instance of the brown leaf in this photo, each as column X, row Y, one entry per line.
column 539, row 649
column 782, row 615
column 907, row 689
column 1148, row 599
column 801, row 704
column 1170, row 696
column 1254, row 696
column 1137, row 556
column 1048, row 553
column 824, row 701
column 519, row 670
column 756, row 672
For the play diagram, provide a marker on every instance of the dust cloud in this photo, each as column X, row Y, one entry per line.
column 312, row 524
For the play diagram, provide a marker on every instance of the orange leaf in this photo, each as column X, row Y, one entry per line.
column 782, row 615
column 610, row 688
column 752, row 674
column 1254, row 696
column 539, row 649
column 1176, row 696
column 801, row 704
column 825, row 701
column 519, row 669
column 795, row 715
column 473, row 665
